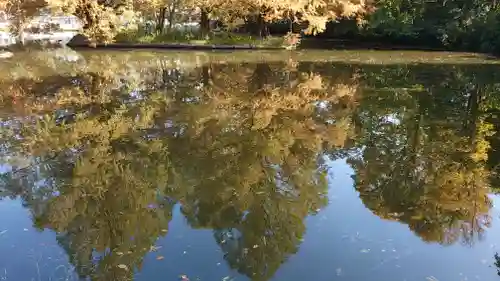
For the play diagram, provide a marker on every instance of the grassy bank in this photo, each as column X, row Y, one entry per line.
column 215, row 38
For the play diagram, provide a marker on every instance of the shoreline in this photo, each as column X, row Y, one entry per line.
column 181, row 46
column 311, row 44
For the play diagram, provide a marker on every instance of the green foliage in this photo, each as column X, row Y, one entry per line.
column 483, row 34
column 470, row 25
column 140, row 36
column 215, row 38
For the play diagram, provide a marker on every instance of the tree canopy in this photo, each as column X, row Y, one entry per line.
column 103, row 19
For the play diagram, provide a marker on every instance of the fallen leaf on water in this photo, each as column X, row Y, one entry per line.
column 154, row 248
column 119, row 253
column 160, row 258
column 122, row 266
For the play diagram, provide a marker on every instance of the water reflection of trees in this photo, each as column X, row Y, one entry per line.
column 423, row 153
column 101, row 156
column 240, row 151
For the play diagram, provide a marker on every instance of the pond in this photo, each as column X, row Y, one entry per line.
column 311, row 165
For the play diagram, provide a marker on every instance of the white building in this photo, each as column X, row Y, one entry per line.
column 69, row 27
column 67, row 23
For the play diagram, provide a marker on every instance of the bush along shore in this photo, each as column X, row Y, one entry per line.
column 137, row 38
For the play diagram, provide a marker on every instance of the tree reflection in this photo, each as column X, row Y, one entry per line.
column 241, row 154
column 423, row 152
column 497, row 263
column 102, row 153
column 257, row 151
column 97, row 180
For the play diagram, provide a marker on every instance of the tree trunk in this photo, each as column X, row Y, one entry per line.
column 206, row 75
column 171, row 13
column 473, row 107
column 261, row 76
column 21, row 38
column 204, row 23
column 262, row 26
column 161, row 20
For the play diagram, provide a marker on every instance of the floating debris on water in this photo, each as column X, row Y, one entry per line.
column 3, row 232
column 160, row 258
column 184, row 278
column 154, row 248
column 365, row 251
column 122, row 266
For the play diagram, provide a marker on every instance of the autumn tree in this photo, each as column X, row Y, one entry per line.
column 102, row 20
column 20, row 13
column 315, row 14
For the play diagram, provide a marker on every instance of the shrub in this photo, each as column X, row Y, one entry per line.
column 290, row 41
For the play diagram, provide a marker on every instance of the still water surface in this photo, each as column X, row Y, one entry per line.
column 263, row 166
